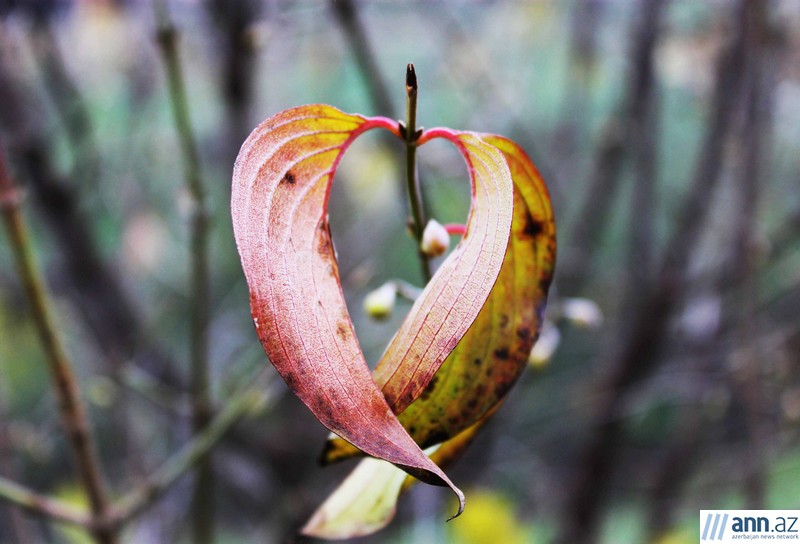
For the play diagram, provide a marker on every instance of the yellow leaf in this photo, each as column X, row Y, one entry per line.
column 362, row 504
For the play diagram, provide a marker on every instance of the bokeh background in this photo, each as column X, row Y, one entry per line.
column 668, row 132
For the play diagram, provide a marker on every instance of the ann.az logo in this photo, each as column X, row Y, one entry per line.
column 715, row 524
column 714, row 528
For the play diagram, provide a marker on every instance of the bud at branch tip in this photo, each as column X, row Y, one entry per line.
column 411, row 79
column 435, row 239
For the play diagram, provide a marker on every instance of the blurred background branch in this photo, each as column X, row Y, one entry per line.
column 202, row 507
column 72, row 412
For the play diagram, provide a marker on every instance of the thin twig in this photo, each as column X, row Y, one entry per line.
column 19, row 528
column 69, row 101
column 346, row 13
column 203, row 496
column 145, row 495
column 575, row 106
column 73, row 416
column 347, row 16
column 754, row 125
column 412, row 181
column 642, row 135
column 154, row 390
column 41, row 505
column 97, row 293
column 254, row 399
column 238, row 52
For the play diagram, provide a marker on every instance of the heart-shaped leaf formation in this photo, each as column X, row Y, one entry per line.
column 480, row 371
column 476, row 327
column 477, row 375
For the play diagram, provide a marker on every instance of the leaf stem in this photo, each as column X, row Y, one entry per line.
column 72, row 412
column 203, row 497
column 412, row 180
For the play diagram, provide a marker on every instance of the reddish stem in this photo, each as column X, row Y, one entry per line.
column 455, row 229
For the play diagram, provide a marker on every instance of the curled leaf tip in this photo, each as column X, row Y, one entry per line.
column 462, row 502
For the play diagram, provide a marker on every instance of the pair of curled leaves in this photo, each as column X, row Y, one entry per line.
column 475, row 378
column 482, row 368
column 281, row 186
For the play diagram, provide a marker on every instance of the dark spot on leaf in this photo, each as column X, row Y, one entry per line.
column 532, row 226
column 501, row 353
column 489, row 372
column 472, row 404
column 412, row 429
column 429, row 389
column 288, row 177
column 477, row 362
column 503, row 320
column 524, row 333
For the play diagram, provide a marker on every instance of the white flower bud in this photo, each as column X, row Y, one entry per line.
column 379, row 303
column 435, row 239
column 582, row 312
column 545, row 346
